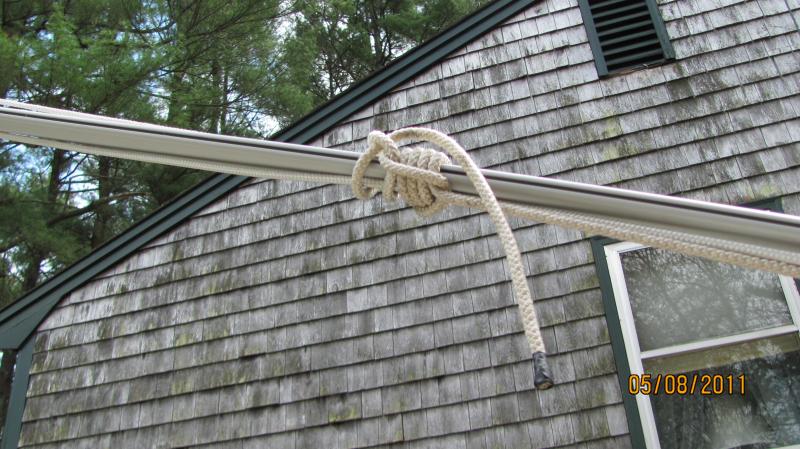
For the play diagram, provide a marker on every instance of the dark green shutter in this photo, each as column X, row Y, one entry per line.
column 625, row 34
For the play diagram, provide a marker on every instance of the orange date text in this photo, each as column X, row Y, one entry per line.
column 686, row 384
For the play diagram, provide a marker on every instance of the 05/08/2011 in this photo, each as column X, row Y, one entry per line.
column 669, row 384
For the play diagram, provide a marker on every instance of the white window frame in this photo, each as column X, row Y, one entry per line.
column 631, row 340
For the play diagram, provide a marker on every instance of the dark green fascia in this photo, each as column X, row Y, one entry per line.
column 19, row 388
column 615, row 327
column 617, row 342
column 20, row 319
column 770, row 204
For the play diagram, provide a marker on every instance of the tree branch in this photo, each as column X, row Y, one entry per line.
column 92, row 206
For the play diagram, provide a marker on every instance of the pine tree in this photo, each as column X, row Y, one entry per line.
column 237, row 67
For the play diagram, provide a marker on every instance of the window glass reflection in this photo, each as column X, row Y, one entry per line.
column 766, row 416
column 679, row 299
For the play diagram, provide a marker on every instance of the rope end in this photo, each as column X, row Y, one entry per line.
column 543, row 377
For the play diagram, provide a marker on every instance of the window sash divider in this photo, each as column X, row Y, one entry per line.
column 718, row 342
column 630, row 338
column 792, row 297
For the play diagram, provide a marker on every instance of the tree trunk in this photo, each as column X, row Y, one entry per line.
column 216, row 109
column 38, row 255
column 103, row 213
column 6, row 374
column 223, row 119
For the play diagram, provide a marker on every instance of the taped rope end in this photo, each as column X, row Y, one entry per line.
column 542, row 377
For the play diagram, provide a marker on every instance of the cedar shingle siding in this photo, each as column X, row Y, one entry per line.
column 291, row 315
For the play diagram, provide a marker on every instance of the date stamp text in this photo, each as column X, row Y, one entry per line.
column 686, row 384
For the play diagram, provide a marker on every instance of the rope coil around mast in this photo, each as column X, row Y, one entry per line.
column 413, row 175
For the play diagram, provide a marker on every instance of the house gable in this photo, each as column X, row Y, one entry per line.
column 291, row 315
column 18, row 320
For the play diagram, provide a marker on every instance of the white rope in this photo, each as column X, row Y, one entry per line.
column 413, row 174
column 734, row 253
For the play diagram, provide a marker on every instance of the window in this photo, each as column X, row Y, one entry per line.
column 625, row 34
column 676, row 314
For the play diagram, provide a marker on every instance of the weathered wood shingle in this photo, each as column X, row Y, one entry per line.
column 291, row 315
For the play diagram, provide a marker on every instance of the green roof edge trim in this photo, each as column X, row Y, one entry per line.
column 19, row 319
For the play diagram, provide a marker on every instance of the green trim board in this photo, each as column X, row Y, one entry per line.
column 19, row 320
column 594, row 41
column 617, row 342
column 661, row 30
column 19, row 388
column 615, row 327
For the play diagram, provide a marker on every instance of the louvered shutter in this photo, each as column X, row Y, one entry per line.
column 625, row 34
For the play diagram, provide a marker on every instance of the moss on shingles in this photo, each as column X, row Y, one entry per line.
column 459, row 103
column 61, row 432
column 381, row 121
column 766, row 191
column 228, row 377
column 181, row 385
column 222, row 332
column 177, row 252
column 311, row 265
column 344, row 414
column 587, row 282
column 680, row 88
column 371, row 229
column 609, row 153
column 184, row 338
column 611, row 128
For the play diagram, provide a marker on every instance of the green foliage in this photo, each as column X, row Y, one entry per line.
column 335, row 43
column 239, row 67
